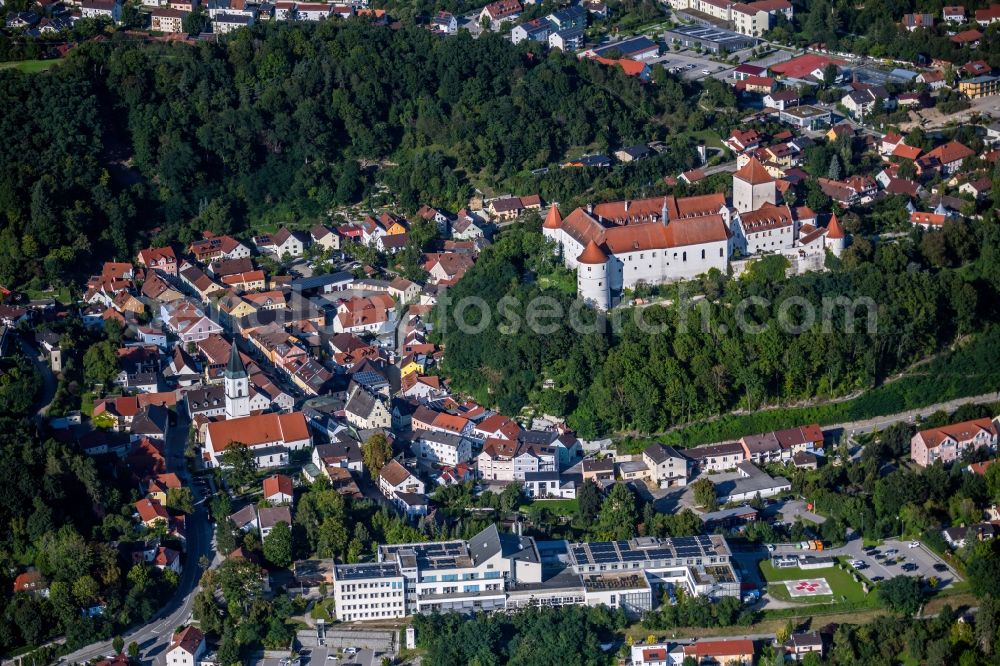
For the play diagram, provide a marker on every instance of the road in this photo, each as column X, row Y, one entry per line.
column 881, row 422
column 49, row 382
column 154, row 637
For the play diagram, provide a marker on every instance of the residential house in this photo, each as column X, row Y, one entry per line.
column 441, row 448
column 988, row 16
column 980, row 86
column 283, row 242
column 467, row 226
column 366, row 411
column 500, row 12
column 595, row 469
column 667, row 468
column 151, row 512
column 31, row 582
column 278, row 489
column 799, row 645
column 268, row 517
column 393, row 478
column 446, row 267
column 203, row 285
column 948, row 443
column 444, row 23
column 166, row 19
column 325, row 237
column 187, row 647
column 756, row 18
column 98, row 9
column 160, row 259
column 158, row 289
column 717, row 457
column 224, row 23
column 375, row 314
column 916, row 21
column 781, row 99
column 962, row 535
column 953, row 14
column 187, row 321
column 503, row 460
column 158, row 486
column 218, row 247
column 729, row 652
column 854, row 190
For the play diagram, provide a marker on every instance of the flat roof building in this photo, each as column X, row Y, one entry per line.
column 496, row 571
column 710, row 38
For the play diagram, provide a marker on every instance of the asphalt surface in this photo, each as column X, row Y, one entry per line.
column 49, row 382
column 154, row 637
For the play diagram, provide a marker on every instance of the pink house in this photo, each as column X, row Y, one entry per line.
column 948, row 443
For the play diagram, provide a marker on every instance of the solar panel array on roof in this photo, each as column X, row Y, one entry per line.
column 636, row 550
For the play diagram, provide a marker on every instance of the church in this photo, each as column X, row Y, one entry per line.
column 617, row 245
column 269, row 436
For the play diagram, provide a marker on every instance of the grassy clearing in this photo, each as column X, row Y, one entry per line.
column 841, row 582
column 30, row 66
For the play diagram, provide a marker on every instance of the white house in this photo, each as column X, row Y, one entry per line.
column 186, row 647
column 441, row 448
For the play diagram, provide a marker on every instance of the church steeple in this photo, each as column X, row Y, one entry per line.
column 237, row 384
column 235, row 368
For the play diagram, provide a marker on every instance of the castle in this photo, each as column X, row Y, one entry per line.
column 618, row 245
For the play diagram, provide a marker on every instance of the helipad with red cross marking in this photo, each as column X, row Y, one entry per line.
column 808, row 587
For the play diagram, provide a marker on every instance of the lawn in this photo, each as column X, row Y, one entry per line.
column 560, row 507
column 29, row 66
column 323, row 610
column 840, row 581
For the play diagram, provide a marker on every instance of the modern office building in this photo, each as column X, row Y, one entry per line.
column 496, row 571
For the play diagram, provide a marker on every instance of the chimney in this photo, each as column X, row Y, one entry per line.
column 627, row 203
column 664, row 215
column 590, row 208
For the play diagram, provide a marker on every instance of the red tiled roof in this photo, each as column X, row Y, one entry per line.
column 277, row 484
column 553, row 220
column 833, row 228
column 960, row 432
column 592, row 254
column 150, row 510
column 753, row 172
column 259, row 429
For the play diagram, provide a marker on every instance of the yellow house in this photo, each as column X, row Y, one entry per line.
column 408, row 366
column 393, row 225
column 236, row 308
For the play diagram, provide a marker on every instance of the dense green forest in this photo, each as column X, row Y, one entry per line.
column 926, row 289
column 873, row 28
column 59, row 513
column 282, row 122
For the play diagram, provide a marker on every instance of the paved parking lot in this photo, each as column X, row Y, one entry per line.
column 888, row 567
column 318, row 656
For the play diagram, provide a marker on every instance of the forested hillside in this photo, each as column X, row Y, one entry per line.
column 279, row 123
column 626, row 378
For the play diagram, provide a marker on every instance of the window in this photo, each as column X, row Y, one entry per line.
column 684, row 256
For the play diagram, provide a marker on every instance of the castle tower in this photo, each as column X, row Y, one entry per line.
column 552, row 227
column 836, row 239
column 753, row 186
column 592, row 276
column 237, row 386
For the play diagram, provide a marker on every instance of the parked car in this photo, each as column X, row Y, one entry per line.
column 909, row 566
column 940, row 566
column 914, row 544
